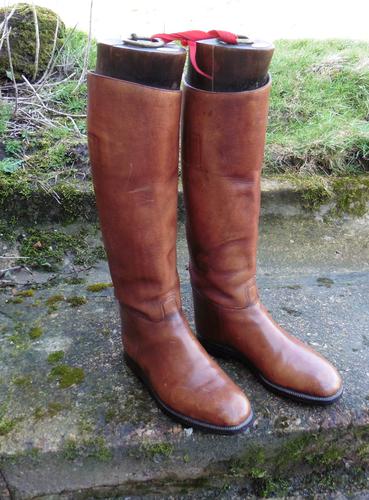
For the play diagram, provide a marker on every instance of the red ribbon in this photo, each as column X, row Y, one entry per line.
column 189, row 38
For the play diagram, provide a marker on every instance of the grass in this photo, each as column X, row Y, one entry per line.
column 319, row 108
column 318, row 124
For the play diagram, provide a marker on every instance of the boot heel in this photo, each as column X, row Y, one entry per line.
column 214, row 349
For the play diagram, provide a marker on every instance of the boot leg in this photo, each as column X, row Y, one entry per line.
column 133, row 142
column 222, row 148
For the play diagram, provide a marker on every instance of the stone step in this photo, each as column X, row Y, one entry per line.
column 75, row 422
column 282, row 196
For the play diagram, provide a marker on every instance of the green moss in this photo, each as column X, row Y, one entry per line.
column 49, row 151
column 96, row 448
column 295, row 450
column 71, row 100
column 326, row 481
column 39, row 413
column 6, row 426
column 70, row 449
column 98, row 287
column 330, row 456
column 67, row 375
column 85, row 426
column 21, row 197
column 324, row 281
column 13, row 147
column 22, row 380
column 92, row 447
column 253, row 457
column 266, row 487
column 74, row 200
column 7, row 229
column 88, row 258
column 16, row 300
column 110, row 415
column 76, row 301
column 54, row 407
column 5, row 115
column 35, row 332
column 23, row 39
column 352, row 195
column 257, row 473
column 46, row 249
column 54, row 299
column 25, row 293
column 346, row 195
column 363, row 451
column 55, row 357
column 74, row 280
column 153, row 450
column 20, row 339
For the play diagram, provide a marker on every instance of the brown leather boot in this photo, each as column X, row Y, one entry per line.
column 133, row 141
column 223, row 147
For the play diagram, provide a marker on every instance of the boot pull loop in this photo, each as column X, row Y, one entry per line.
column 141, row 41
column 189, row 38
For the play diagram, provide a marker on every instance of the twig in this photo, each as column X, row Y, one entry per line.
column 12, row 257
column 48, row 190
column 43, row 77
column 7, row 17
column 87, row 51
column 75, row 126
column 33, row 90
column 4, row 26
column 61, row 113
column 51, row 69
column 12, row 72
column 43, row 105
column 43, row 120
column 37, row 33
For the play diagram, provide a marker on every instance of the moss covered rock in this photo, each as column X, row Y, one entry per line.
column 23, row 40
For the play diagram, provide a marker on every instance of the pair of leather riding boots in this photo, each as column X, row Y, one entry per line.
column 133, row 141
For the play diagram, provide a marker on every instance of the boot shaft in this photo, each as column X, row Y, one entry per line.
column 223, row 148
column 133, row 142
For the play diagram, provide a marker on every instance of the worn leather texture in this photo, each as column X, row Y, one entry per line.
column 133, row 135
column 222, row 154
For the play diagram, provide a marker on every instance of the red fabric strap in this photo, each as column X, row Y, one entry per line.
column 189, row 38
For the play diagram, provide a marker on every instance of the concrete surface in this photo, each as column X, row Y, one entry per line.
column 103, row 437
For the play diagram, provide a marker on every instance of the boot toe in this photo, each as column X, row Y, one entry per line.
column 317, row 381
column 328, row 382
column 224, row 409
column 234, row 410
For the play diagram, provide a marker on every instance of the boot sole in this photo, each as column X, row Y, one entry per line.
column 225, row 352
column 179, row 417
